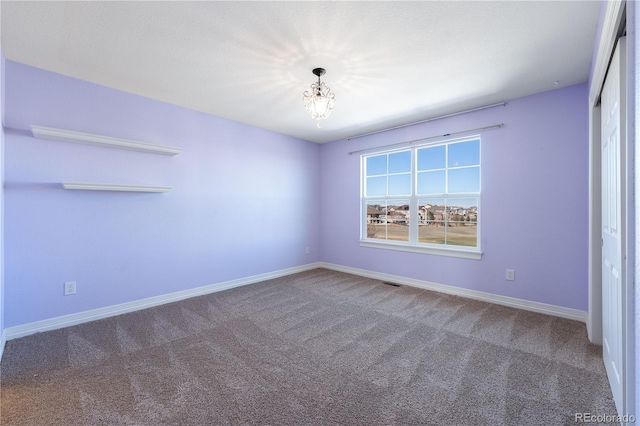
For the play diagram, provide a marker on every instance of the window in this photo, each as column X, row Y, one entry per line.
column 423, row 199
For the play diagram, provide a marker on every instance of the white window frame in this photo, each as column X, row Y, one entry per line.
column 413, row 245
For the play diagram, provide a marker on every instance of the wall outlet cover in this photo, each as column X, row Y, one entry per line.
column 69, row 288
column 511, row 275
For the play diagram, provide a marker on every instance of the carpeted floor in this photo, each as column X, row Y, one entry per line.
column 315, row 348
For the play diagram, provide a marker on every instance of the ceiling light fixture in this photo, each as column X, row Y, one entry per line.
column 319, row 100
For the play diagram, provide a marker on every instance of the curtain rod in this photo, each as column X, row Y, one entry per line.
column 429, row 137
column 429, row 119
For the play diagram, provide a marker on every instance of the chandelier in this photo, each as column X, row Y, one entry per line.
column 319, row 100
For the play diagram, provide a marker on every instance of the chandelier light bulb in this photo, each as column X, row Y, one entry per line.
column 319, row 100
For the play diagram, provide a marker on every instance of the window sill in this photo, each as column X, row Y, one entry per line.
column 461, row 253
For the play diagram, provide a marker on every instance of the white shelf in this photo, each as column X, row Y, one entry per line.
column 106, row 141
column 113, row 187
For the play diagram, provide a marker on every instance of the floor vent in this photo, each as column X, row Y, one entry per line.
column 391, row 284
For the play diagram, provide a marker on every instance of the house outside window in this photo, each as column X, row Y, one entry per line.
column 424, row 198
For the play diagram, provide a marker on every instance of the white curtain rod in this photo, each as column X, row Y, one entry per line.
column 429, row 137
column 429, row 119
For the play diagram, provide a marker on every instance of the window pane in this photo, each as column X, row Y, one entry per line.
column 431, row 158
column 464, row 180
column 464, row 206
column 376, row 186
column 431, row 208
column 462, row 234
column 462, row 221
column 388, row 221
column 431, row 182
column 400, row 184
column 400, row 162
column 432, row 233
column 398, row 221
column 431, row 225
column 377, row 165
column 376, row 220
column 464, row 154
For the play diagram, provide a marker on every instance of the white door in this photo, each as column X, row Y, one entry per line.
column 613, row 226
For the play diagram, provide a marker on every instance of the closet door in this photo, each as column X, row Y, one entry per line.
column 613, row 225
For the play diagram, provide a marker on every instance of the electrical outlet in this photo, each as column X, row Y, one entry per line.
column 511, row 275
column 308, row 250
column 69, row 288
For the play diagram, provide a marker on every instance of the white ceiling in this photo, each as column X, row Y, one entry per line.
column 388, row 63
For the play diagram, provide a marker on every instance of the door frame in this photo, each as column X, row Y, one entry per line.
column 613, row 25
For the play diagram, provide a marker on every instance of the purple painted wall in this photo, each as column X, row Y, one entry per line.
column 2, row 86
column 534, row 202
column 244, row 200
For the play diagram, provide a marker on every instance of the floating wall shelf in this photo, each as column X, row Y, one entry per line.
column 106, row 141
column 112, row 187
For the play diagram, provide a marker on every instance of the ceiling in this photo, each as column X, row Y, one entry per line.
column 389, row 63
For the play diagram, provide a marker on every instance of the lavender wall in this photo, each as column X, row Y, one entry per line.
column 534, row 202
column 244, row 200
column 2, row 121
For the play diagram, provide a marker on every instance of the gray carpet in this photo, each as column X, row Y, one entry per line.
column 315, row 348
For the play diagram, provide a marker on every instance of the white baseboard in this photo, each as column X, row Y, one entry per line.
column 527, row 305
column 123, row 308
